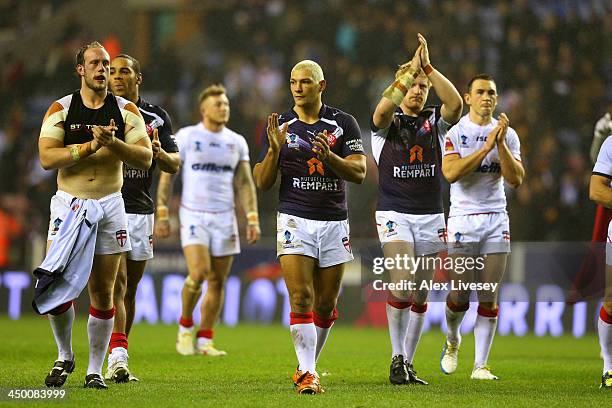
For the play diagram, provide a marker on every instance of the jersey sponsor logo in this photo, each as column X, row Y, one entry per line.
column 355, row 145
column 494, row 167
column 315, row 164
column 416, row 153
column 213, row 167
column 414, row 170
column 121, row 237
column 75, row 127
column 293, row 141
column 347, row 245
column 131, row 173
column 213, row 144
column 315, row 183
column 481, row 138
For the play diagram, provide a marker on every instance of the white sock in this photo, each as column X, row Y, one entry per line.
column 304, row 336
column 203, row 342
column 413, row 335
column 322, row 334
column 484, row 331
column 605, row 341
column 62, row 331
column 118, row 353
column 397, row 320
column 99, row 332
column 183, row 329
column 453, row 323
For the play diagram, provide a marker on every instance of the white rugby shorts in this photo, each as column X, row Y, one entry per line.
column 113, row 235
column 141, row 235
column 326, row 241
column 479, row 234
column 427, row 232
column 216, row 230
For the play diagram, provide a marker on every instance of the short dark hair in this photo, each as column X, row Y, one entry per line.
column 80, row 57
column 212, row 90
column 135, row 63
column 485, row 77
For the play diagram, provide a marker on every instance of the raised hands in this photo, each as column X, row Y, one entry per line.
column 503, row 123
column 155, row 144
column 105, row 135
column 276, row 135
column 497, row 135
column 423, row 51
column 321, row 146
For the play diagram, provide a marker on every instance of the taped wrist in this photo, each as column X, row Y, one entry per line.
column 162, row 213
column 74, row 153
column 193, row 286
column 252, row 218
column 399, row 88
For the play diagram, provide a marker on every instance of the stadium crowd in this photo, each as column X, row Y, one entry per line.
column 550, row 61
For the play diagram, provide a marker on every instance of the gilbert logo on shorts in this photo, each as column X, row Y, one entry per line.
column 315, row 164
column 347, row 244
column 121, row 236
column 416, row 153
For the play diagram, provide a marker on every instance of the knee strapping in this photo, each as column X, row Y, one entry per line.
column 193, row 286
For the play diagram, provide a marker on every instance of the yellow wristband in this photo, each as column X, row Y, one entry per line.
column 252, row 218
column 162, row 213
column 74, row 153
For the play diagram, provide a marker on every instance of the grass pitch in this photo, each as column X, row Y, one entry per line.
column 534, row 371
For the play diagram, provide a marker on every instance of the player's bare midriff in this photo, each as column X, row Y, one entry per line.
column 95, row 176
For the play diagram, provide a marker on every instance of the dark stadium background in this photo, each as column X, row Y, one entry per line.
column 551, row 61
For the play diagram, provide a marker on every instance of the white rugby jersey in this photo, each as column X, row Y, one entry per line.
column 482, row 191
column 209, row 163
column 603, row 166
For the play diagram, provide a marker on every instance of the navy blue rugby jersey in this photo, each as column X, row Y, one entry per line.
column 137, row 183
column 308, row 187
column 409, row 158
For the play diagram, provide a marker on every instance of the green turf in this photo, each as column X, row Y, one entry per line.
column 534, row 371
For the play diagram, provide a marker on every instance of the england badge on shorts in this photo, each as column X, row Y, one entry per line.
column 506, row 235
column 121, row 236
